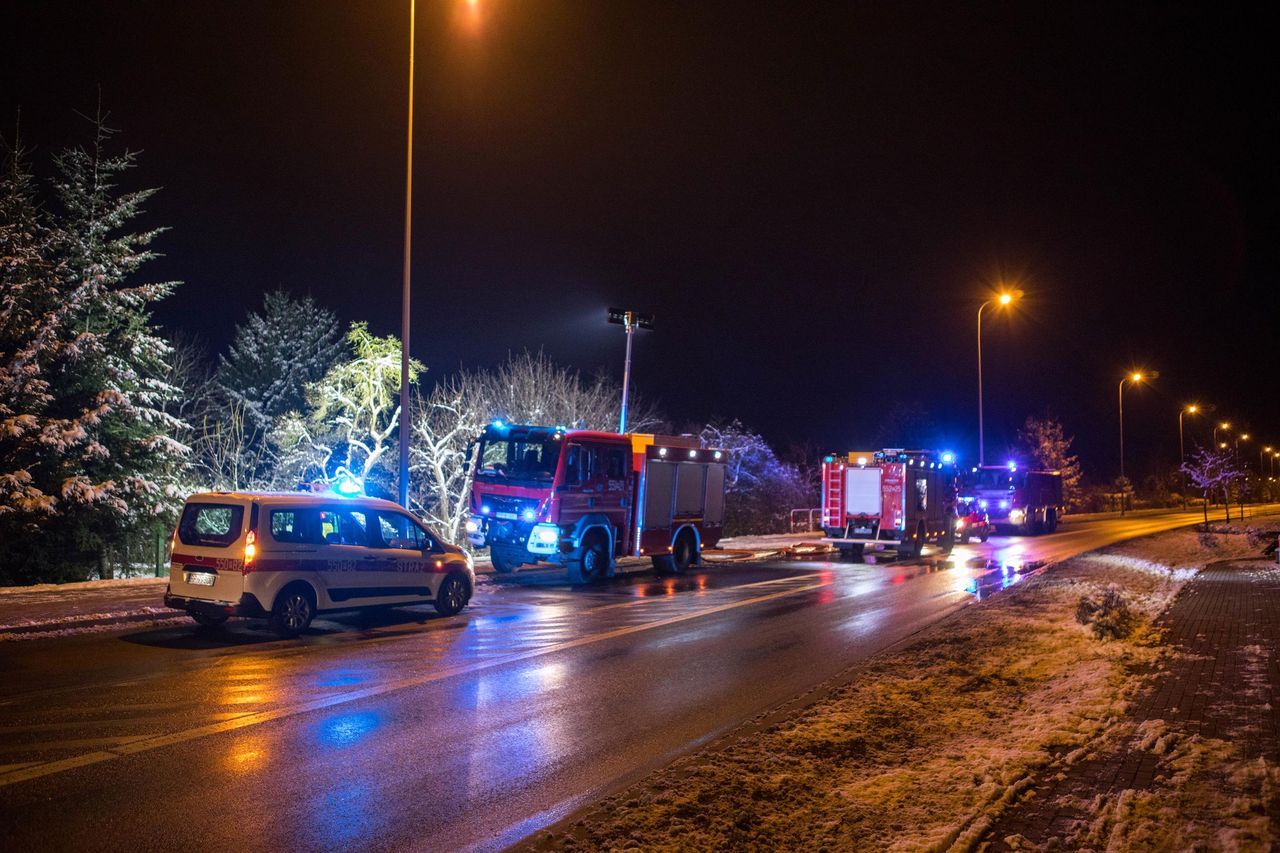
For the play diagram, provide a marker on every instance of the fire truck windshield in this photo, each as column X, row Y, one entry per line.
column 530, row 459
column 996, row 478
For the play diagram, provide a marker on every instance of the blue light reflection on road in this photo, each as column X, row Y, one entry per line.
column 340, row 731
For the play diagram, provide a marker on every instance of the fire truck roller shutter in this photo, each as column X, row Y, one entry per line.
column 862, row 491
column 714, row 516
column 658, row 503
column 691, row 490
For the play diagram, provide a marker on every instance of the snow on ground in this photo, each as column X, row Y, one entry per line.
column 926, row 745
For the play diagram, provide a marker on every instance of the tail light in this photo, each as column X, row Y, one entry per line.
column 250, row 549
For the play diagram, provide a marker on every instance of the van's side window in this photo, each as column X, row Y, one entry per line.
column 344, row 527
column 399, row 531
column 294, row 525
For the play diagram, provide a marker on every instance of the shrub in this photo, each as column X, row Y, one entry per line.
column 1208, row 540
column 1109, row 617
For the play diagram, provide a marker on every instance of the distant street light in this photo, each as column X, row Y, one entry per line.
column 1001, row 300
column 1261, row 453
column 1224, row 426
column 1133, row 378
column 1182, row 450
column 631, row 320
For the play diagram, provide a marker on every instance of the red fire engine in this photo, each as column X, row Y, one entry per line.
column 1016, row 499
column 897, row 498
column 582, row 499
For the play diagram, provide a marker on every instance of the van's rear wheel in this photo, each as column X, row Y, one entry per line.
column 593, row 560
column 453, row 595
column 293, row 611
column 208, row 620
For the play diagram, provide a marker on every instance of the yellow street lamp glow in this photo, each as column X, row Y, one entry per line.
column 1222, row 445
column 1193, row 409
column 1244, row 437
column 1224, row 425
column 1137, row 377
column 1006, row 298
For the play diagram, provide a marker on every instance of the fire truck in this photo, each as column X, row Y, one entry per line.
column 1015, row 499
column 889, row 498
column 582, row 499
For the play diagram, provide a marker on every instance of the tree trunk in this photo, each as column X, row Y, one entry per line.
column 104, row 565
column 1226, row 503
column 1206, row 512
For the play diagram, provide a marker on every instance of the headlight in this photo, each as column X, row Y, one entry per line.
column 959, row 524
column 547, row 533
column 983, row 503
column 1004, row 504
column 472, row 525
column 1016, row 516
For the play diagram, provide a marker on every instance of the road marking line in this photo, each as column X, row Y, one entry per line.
column 146, row 744
column 68, row 744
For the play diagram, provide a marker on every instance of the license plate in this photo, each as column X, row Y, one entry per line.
column 862, row 530
column 510, row 516
column 201, row 578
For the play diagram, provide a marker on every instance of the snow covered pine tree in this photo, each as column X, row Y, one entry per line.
column 87, row 455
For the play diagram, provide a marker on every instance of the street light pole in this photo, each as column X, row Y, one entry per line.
column 1002, row 299
column 630, row 321
column 1182, row 448
column 1134, row 378
column 404, row 296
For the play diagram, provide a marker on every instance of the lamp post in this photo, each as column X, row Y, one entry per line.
column 1182, row 448
column 1134, row 378
column 404, row 294
column 630, row 320
column 1002, row 299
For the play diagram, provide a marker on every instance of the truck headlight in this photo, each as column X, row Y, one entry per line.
column 546, row 533
column 1016, row 516
column 473, row 525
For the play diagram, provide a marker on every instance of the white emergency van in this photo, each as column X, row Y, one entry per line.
column 286, row 556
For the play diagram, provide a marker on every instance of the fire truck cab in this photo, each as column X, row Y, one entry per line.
column 1018, row 500
column 581, row 499
column 889, row 498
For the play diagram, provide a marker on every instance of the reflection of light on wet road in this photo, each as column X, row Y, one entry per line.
column 343, row 730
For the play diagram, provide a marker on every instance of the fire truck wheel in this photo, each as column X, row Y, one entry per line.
column 914, row 548
column 593, row 562
column 684, row 554
column 964, row 539
column 1051, row 521
column 986, row 534
column 503, row 564
column 947, row 542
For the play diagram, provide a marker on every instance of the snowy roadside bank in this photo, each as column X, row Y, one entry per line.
column 924, row 746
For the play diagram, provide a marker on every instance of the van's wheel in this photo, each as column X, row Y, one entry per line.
column 592, row 563
column 208, row 620
column 684, row 554
column 503, row 561
column 453, row 595
column 293, row 610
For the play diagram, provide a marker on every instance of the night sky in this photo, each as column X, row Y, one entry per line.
column 812, row 199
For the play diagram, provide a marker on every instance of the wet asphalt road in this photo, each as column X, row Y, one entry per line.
column 401, row 730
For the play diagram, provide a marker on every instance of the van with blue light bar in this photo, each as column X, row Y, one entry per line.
column 582, row 499
column 892, row 498
column 289, row 556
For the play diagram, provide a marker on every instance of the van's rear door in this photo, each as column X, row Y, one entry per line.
column 208, row 550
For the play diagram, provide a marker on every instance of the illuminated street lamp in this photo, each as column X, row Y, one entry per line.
column 1261, row 453
column 1001, row 300
column 1182, row 450
column 1224, row 426
column 1133, row 378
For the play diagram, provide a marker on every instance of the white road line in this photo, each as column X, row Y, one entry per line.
column 146, row 744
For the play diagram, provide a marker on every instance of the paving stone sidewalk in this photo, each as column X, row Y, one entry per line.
column 1223, row 684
